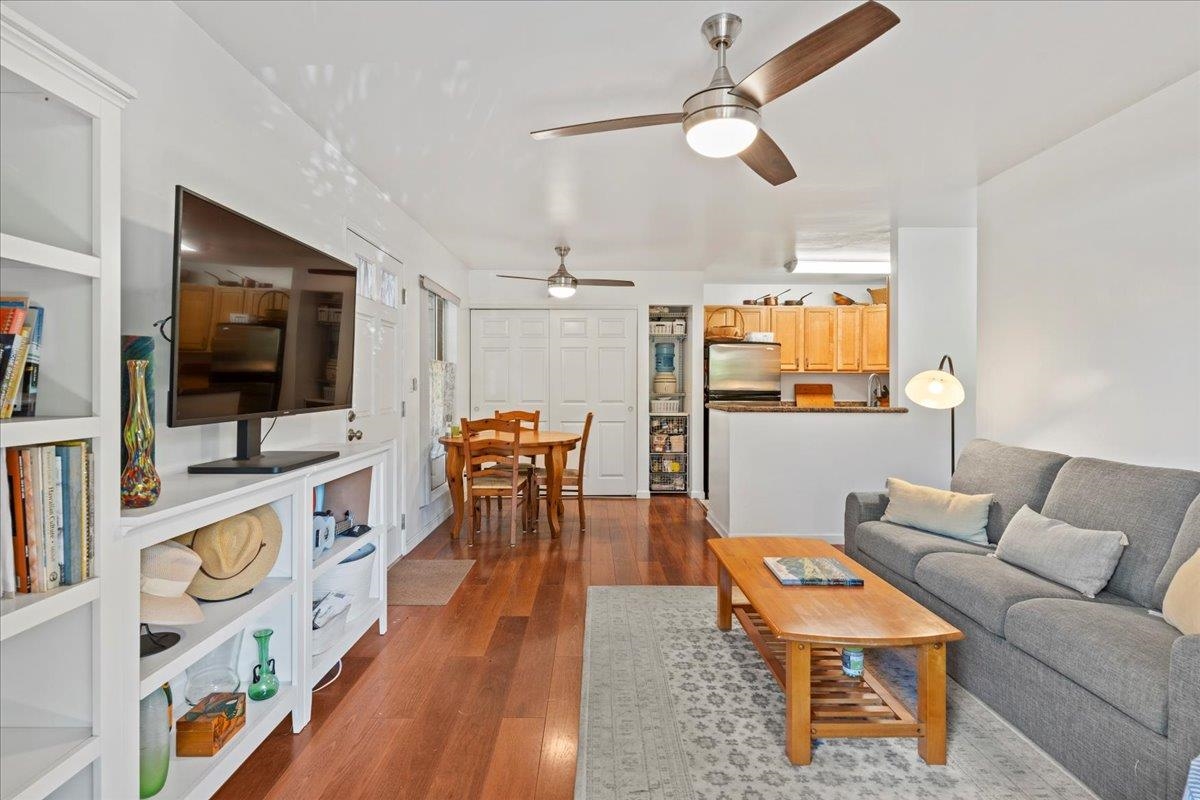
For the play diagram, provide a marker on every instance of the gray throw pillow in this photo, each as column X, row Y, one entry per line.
column 1078, row 558
column 953, row 514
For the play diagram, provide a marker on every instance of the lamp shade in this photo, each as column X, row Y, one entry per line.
column 935, row 388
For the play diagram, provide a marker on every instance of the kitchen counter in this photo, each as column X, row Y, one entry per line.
column 770, row 407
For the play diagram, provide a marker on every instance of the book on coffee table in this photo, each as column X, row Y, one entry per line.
column 811, row 572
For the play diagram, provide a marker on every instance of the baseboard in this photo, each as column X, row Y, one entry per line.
column 643, row 494
column 717, row 526
column 698, row 495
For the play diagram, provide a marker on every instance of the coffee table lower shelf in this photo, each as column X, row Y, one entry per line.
column 841, row 706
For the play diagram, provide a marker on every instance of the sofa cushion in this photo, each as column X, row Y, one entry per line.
column 983, row 588
column 1017, row 476
column 1148, row 504
column 900, row 549
column 1187, row 542
column 1079, row 558
column 1121, row 654
column 961, row 516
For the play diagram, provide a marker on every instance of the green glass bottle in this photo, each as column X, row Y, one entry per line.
column 264, row 684
column 155, row 746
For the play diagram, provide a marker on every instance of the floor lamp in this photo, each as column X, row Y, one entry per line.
column 938, row 388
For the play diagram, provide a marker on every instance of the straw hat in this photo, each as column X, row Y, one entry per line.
column 236, row 553
column 167, row 570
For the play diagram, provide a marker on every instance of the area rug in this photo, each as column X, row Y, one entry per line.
column 426, row 582
column 673, row 709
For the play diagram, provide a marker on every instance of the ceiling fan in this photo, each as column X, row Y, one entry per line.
column 723, row 119
column 562, row 283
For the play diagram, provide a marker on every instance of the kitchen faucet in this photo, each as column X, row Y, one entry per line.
column 873, row 389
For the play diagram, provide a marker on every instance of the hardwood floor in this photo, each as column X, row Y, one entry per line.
column 479, row 698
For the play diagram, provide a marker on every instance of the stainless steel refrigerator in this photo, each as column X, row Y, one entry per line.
column 739, row 371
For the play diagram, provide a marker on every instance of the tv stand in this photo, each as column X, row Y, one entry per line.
column 251, row 460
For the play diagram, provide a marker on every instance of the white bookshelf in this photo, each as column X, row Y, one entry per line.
column 281, row 602
column 60, row 228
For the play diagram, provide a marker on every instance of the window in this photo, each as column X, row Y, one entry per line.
column 439, row 352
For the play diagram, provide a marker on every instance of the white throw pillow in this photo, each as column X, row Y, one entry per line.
column 960, row 516
column 1078, row 558
column 1181, row 606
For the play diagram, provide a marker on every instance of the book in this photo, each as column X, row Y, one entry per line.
column 811, row 572
column 88, row 554
column 12, row 312
column 15, row 472
column 31, row 466
column 26, row 402
column 8, row 565
column 9, row 342
column 70, row 455
column 14, row 372
column 51, row 529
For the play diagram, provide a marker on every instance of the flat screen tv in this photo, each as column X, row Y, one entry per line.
column 264, row 327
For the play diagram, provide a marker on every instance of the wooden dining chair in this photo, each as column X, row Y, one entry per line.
column 493, row 470
column 572, row 479
column 530, row 420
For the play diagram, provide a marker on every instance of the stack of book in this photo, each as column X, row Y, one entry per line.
column 52, row 515
column 20, row 355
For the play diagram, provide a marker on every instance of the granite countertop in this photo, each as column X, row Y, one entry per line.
column 771, row 407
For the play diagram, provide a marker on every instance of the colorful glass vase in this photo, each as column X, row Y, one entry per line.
column 140, row 483
column 154, row 756
column 264, row 684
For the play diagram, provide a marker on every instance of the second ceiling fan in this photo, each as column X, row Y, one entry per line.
column 562, row 284
column 723, row 119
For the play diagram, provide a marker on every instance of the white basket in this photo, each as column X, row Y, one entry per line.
column 760, row 336
column 668, row 406
column 661, row 328
column 352, row 580
column 331, row 632
column 680, row 327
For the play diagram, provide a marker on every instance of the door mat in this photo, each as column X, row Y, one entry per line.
column 426, row 582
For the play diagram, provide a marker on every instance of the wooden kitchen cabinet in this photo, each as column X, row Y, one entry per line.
column 849, row 339
column 819, row 331
column 194, row 323
column 875, row 338
column 753, row 318
column 788, row 326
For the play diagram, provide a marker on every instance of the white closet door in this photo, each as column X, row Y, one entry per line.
column 593, row 368
column 509, row 361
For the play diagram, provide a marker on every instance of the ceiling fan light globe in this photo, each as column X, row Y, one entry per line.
column 723, row 136
column 561, row 291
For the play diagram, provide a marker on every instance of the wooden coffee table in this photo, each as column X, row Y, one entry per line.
column 799, row 630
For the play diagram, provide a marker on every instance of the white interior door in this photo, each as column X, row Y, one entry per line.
column 509, row 361
column 564, row 364
column 378, row 353
column 594, row 368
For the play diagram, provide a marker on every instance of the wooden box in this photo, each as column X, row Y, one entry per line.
column 210, row 724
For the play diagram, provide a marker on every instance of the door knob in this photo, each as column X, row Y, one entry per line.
column 351, row 416
column 353, row 434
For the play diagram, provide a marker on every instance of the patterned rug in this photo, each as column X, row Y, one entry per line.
column 673, row 709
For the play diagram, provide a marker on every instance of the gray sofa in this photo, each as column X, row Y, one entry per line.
column 1106, row 688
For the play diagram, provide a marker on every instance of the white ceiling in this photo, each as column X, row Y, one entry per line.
column 434, row 102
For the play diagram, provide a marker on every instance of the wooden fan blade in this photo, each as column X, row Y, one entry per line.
column 609, row 125
column 522, row 278
column 602, row 282
column 764, row 157
column 823, row 48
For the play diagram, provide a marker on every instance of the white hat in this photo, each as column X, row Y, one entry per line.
column 167, row 570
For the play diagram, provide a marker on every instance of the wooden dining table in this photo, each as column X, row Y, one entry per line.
column 552, row 445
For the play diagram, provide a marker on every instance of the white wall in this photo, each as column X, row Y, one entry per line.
column 653, row 288
column 203, row 121
column 933, row 313
column 1089, row 289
